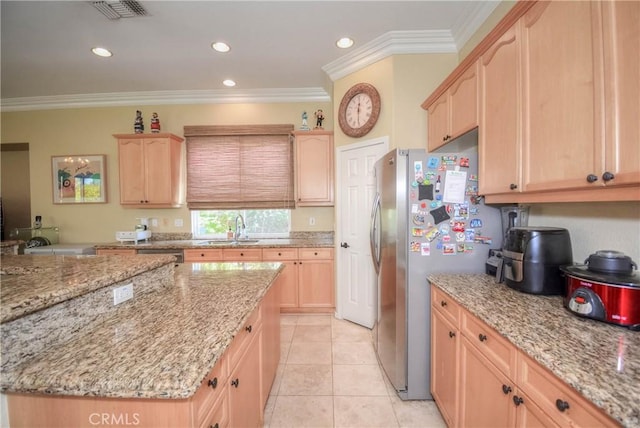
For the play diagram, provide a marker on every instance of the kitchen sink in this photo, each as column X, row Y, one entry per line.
column 241, row 241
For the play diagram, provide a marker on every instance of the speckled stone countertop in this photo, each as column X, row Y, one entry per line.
column 599, row 360
column 32, row 283
column 159, row 345
column 212, row 243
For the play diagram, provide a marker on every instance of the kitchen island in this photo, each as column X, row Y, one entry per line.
column 155, row 349
column 598, row 360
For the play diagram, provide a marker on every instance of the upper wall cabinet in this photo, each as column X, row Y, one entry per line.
column 499, row 141
column 559, row 90
column 314, row 168
column 149, row 167
column 454, row 112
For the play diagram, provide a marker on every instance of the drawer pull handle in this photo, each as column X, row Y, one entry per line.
column 562, row 405
column 241, row 254
column 592, row 178
column 452, row 334
column 443, row 303
column 248, row 329
column 213, row 383
column 607, row 176
column 279, row 254
column 517, row 400
column 513, row 186
column 235, row 382
column 506, row 389
column 482, row 337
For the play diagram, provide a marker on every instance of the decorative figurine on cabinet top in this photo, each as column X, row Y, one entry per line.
column 319, row 118
column 155, row 123
column 138, row 125
column 305, row 125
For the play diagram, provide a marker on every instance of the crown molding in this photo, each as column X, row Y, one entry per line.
column 118, row 99
column 467, row 25
column 391, row 43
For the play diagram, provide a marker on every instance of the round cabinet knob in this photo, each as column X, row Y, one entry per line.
column 235, row 382
column 443, row 303
column 452, row 334
column 241, row 254
column 213, row 383
column 562, row 405
column 248, row 329
column 607, row 176
column 217, row 425
column 344, row 245
column 482, row 337
column 506, row 389
column 517, row 400
column 513, row 186
column 592, row 178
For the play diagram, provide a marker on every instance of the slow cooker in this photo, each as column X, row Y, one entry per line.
column 605, row 288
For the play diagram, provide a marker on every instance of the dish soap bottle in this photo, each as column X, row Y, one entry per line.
column 229, row 233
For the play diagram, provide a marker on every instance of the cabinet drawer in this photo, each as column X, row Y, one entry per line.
column 240, row 342
column 203, row 255
column 210, row 389
column 495, row 347
column 445, row 305
column 315, row 253
column 218, row 414
column 551, row 395
column 242, row 254
column 271, row 254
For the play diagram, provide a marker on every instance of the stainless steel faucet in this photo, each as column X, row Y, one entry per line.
column 238, row 233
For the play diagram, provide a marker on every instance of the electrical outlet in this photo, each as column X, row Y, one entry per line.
column 312, row 221
column 122, row 294
column 154, row 222
column 178, row 222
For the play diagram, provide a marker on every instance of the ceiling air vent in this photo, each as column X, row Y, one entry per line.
column 120, row 9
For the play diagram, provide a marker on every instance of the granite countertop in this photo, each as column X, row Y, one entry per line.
column 32, row 283
column 599, row 360
column 213, row 243
column 9, row 243
column 157, row 345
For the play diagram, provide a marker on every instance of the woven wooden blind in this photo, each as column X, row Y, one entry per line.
column 239, row 171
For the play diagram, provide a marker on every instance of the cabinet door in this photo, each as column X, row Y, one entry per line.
column 270, row 339
column 314, row 169
column 132, row 175
column 499, row 130
column 315, row 284
column 218, row 415
column 158, row 173
column 562, row 108
column 245, row 409
column 463, row 100
column 483, row 403
column 528, row 415
column 622, row 89
column 438, row 122
column 444, row 366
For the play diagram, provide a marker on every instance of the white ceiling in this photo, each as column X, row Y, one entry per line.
column 280, row 50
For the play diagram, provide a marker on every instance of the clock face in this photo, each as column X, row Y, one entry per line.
column 359, row 110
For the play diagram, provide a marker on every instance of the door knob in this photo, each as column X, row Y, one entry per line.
column 344, row 245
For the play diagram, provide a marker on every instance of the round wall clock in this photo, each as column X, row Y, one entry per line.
column 359, row 110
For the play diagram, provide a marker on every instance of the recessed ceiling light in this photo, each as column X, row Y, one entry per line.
column 228, row 82
column 220, row 47
column 344, row 43
column 106, row 53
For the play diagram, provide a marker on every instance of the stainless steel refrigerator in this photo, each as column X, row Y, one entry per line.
column 426, row 218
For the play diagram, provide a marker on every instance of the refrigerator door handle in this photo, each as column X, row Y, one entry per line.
column 374, row 233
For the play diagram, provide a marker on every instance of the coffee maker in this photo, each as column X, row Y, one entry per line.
column 512, row 216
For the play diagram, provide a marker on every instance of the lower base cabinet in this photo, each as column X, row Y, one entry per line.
column 233, row 394
column 495, row 384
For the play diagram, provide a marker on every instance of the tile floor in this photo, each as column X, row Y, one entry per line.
column 329, row 376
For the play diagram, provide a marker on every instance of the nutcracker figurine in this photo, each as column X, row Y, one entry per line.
column 138, row 125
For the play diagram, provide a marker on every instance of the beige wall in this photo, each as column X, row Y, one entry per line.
column 89, row 131
column 498, row 13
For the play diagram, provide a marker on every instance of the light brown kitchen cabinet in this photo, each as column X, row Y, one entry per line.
column 499, row 136
column 315, row 279
column 203, row 255
column 314, row 169
column 223, row 255
column 244, row 387
column 455, row 112
column 444, row 356
column 308, row 284
column 150, row 170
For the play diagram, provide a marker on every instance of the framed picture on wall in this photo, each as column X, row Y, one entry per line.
column 79, row 179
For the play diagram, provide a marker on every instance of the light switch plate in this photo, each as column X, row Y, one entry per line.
column 122, row 294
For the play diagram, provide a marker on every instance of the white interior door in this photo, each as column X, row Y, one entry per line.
column 356, row 188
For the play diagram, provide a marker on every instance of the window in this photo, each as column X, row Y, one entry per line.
column 239, row 167
column 214, row 224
